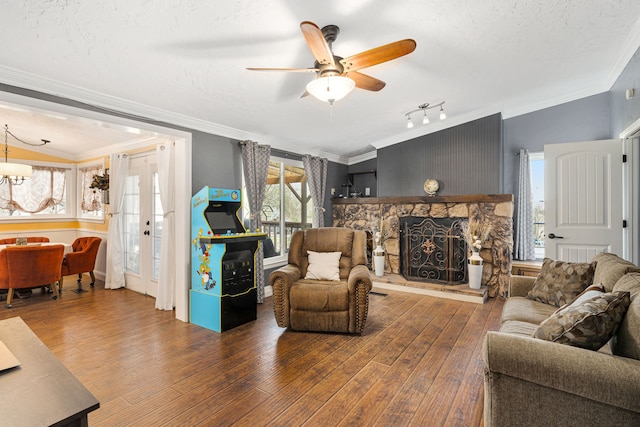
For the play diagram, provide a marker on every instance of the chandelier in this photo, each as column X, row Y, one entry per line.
column 15, row 173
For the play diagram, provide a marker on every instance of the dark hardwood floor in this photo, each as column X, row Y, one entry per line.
column 417, row 363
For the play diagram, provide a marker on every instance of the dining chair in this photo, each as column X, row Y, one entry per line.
column 81, row 260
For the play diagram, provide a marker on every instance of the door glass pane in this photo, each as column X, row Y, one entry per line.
column 131, row 216
column 158, row 216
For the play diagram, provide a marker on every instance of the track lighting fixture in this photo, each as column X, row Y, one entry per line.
column 424, row 107
column 409, row 122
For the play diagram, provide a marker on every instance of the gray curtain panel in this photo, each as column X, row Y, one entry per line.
column 316, row 170
column 255, row 165
column 524, row 244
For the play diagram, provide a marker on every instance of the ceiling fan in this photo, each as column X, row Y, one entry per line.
column 337, row 76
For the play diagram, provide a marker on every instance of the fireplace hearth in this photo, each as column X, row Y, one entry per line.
column 433, row 250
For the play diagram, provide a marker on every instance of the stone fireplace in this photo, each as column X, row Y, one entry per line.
column 497, row 210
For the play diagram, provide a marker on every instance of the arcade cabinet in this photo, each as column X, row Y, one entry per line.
column 223, row 291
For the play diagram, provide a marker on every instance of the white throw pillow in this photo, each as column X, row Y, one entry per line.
column 323, row 266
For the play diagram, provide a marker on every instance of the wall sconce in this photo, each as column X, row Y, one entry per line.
column 424, row 107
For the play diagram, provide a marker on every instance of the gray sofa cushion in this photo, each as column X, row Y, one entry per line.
column 517, row 327
column 610, row 268
column 526, row 310
column 626, row 342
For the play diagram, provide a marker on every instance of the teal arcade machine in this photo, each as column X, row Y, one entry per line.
column 223, row 291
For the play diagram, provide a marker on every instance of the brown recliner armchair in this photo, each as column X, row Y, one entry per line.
column 24, row 267
column 306, row 304
column 81, row 260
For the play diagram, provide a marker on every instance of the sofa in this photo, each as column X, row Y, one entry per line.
column 532, row 379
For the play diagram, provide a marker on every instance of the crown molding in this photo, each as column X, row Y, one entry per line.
column 115, row 105
column 363, row 157
column 628, row 49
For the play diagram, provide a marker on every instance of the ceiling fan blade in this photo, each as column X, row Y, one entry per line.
column 290, row 70
column 378, row 55
column 366, row 82
column 317, row 43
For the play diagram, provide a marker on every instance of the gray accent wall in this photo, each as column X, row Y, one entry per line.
column 586, row 119
column 465, row 159
column 336, row 176
column 216, row 162
column 623, row 111
column 364, row 175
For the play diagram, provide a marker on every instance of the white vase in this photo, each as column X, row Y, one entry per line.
column 378, row 261
column 475, row 270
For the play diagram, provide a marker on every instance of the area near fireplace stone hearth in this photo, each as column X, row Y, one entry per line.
column 496, row 209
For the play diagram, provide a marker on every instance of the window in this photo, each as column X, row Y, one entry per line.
column 536, row 161
column 43, row 195
column 91, row 199
column 286, row 207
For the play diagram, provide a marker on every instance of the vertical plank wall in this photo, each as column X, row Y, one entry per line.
column 465, row 159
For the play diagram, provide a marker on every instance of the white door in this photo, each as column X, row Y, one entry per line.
column 143, row 226
column 583, row 199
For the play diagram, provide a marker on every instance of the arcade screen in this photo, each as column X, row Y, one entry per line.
column 222, row 221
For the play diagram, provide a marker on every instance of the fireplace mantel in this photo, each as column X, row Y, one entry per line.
column 465, row 198
column 367, row 213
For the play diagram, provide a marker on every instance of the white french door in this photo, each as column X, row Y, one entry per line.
column 142, row 213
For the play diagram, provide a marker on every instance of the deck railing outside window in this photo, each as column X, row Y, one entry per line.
column 272, row 228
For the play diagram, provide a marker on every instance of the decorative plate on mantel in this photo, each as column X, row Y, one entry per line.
column 431, row 187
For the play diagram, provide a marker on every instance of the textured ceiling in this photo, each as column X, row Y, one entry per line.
column 184, row 62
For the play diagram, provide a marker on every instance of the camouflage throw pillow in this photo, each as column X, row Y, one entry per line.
column 588, row 324
column 560, row 282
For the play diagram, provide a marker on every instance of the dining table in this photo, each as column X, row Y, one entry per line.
column 67, row 246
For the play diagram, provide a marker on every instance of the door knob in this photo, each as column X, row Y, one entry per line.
column 146, row 232
column 553, row 236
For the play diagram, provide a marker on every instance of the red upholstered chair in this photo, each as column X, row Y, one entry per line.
column 30, row 267
column 33, row 239
column 81, row 260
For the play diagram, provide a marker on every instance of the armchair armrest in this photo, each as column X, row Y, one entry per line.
column 518, row 367
column 359, row 274
column 281, row 281
column 520, row 285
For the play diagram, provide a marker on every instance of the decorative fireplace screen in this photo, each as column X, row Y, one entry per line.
column 433, row 250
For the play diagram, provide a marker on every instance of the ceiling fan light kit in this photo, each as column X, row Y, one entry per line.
column 331, row 88
column 337, row 76
column 424, row 107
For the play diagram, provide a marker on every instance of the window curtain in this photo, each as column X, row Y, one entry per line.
column 316, row 170
column 91, row 197
column 165, row 299
column 45, row 189
column 524, row 244
column 255, row 165
column 115, row 248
